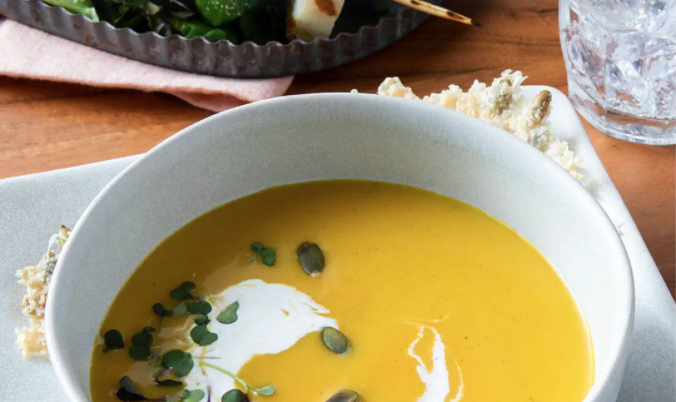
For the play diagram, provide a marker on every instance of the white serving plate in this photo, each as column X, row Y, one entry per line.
column 34, row 206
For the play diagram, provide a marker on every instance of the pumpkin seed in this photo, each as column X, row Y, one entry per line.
column 345, row 396
column 334, row 340
column 311, row 258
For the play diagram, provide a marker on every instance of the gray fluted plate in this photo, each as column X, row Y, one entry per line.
column 215, row 58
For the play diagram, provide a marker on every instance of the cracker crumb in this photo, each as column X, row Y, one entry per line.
column 501, row 105
column 31, row 339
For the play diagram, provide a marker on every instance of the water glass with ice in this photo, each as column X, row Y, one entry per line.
column 621, row 62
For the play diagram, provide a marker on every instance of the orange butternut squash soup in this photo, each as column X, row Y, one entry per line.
column 343, row 291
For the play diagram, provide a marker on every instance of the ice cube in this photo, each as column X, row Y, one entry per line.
column 625, row 88
column 631, row 15
column 641, row 75
column 586, row 51
column 660, row 71
column 668, row 27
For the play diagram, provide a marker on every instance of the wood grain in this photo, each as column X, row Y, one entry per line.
column 47, row 126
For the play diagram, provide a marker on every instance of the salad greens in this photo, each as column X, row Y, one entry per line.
column 237, row 21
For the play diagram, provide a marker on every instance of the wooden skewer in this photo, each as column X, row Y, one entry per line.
column 437, row 11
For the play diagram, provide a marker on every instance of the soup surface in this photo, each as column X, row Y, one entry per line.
column 438, row 301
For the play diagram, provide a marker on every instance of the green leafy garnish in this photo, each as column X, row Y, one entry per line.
column 268, row 257
column 229, row 315
column 112, row 340
column 139, row 352
column 265, row 391
column 267, row 254
column 234, row 395
column 182, row 292
column 141, row 342
column 178, row 360
column 202, row 320
column 143, row 338
column 129, row 393
column 200, row 335
column 155, row 357
column 162, row 312
column 257, row 247
column 199, row 307
column 195, row 395
column 168, row 383
column 179, row 310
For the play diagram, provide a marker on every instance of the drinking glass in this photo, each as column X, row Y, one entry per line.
column 621, row 63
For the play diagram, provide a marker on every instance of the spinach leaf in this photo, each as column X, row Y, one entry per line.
column 84, row 7
column 196, row 29
column 262, row 25
column 218, row 12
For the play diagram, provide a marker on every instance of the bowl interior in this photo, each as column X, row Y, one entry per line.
column 328, row 136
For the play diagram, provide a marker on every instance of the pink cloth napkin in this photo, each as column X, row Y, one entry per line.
column 29, row 53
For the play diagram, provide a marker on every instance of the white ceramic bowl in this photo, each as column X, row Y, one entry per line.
column 325, row 136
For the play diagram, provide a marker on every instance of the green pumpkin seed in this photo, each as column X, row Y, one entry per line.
column 344, row 396
column 334, row 340
column 311, row 258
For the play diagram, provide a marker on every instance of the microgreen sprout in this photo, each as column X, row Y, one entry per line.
column 195, row 395
column 157, row 375
column 267, row 254
column 143, row 338
column 229, row 315
column 139, row 352
column 202, row 320
column 141, row 342
column 182, row 292
column 112, row 340
column 129, row 393
column 234, row 395
column 200, row 335
column 199, row 307
column 168, row 383
column 159, row 310
column 265, row 391
column 257, row 248
column 180, row 310
column 178, row 360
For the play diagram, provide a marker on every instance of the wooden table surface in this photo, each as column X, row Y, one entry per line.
column 46, row 126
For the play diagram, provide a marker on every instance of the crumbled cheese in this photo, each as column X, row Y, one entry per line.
column 393, row 87
column 501, row 106
column 31, row 339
